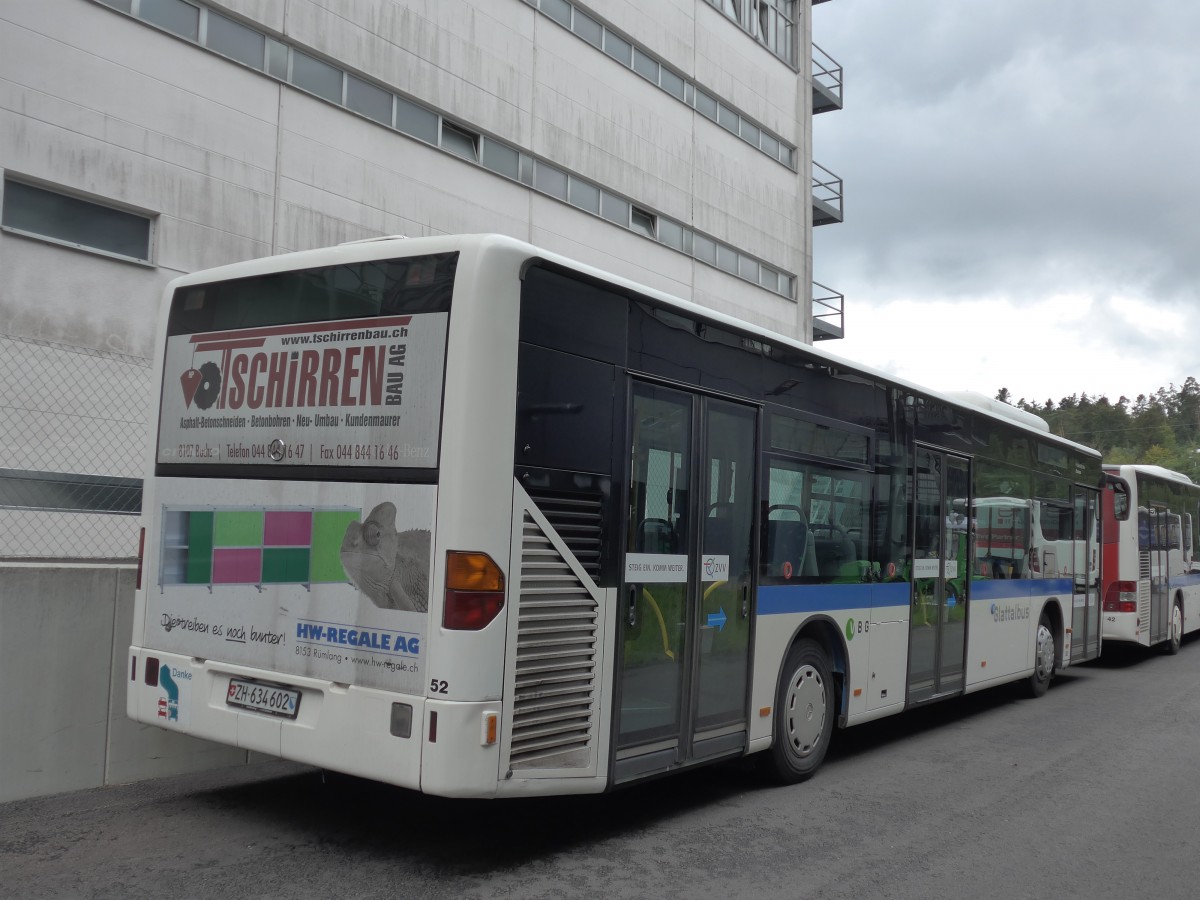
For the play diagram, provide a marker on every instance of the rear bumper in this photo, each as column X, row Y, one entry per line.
column 1121, row 626
column 338, row 727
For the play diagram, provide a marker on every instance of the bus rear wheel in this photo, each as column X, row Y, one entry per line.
column 804, row 714
column 1176, row 635
column 1043, row 658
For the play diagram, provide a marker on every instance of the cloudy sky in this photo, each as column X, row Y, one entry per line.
column 1022, row 192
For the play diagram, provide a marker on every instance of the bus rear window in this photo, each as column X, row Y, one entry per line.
column 417, row 284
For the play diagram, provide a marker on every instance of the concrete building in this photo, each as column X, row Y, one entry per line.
column 669, row 142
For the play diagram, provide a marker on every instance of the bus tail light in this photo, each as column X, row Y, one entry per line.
column 1121, row 597
column 474, row 591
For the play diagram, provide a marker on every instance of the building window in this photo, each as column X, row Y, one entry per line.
column 614, row 209
column 588, row 28
column 584, row 195
column 502, row 159
column 316, row 77
column 416, row 121
column 277, row 57
column 369, row 100
column 175, row 16
column 549, row 180
column 558, row 10
column 235, row 40
column 674, row 235
column 642, row 222
column 75, row 222
column 618, row 48
column 646, row 66
column 460, row 142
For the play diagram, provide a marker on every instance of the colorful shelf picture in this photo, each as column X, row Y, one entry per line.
column 254, row 546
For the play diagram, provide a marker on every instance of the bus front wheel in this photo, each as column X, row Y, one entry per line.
column 804, row 714
column 1043, row 658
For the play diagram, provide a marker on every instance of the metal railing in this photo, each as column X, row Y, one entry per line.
column 826, row 81
column 829, row 318
column 74, row 423
column 826, row 195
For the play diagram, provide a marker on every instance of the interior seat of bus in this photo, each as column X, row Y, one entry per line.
column 790, row 549
column 833, row 549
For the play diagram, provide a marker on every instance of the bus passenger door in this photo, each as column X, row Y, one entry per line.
column 725, row 577
column 1085, row 602
column 941, row 574
column 685, row 615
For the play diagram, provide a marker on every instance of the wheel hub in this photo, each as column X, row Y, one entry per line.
column 1045, row 652
column 806, row 711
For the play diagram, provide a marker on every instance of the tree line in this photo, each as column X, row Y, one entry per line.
column 1161, row 429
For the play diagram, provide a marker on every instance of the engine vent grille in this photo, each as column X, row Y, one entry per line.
column 556, row 660
column 579, row 521
column 1143, row 620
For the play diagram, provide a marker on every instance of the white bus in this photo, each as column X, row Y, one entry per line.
column 468, row 517
column 1151, row 566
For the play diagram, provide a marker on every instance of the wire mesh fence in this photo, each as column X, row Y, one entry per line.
column 74, row 426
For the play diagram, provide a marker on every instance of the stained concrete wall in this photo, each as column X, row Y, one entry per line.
column 64, row 645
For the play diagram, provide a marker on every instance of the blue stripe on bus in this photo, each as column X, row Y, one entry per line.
column 777, row 599
column 1184, row 580
column 1007, row 589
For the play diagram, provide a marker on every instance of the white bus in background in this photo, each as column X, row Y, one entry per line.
column 1151, row 576
column 468, row 517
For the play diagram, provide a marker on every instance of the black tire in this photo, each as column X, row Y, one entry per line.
column 805, row 709
column 1045, row 658
column 1175, row 638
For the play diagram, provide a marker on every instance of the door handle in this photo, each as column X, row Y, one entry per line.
column 745, row 601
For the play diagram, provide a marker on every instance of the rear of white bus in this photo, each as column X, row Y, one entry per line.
column 328, row 514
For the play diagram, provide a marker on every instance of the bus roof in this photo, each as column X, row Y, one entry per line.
column 395, row 246
column 1152, row 471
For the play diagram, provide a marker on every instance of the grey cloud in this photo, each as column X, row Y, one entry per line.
column 1020, row 148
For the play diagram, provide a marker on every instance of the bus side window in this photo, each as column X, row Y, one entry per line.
column 1143, row 529
column 1120, row 503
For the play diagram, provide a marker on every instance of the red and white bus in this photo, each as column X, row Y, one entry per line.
column 1151, row 570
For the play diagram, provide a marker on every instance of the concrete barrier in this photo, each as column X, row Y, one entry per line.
column 64, row 644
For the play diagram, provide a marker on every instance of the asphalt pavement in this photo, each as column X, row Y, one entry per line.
column 1085, row 792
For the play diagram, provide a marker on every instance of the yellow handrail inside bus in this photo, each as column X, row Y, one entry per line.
column 662, row 625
